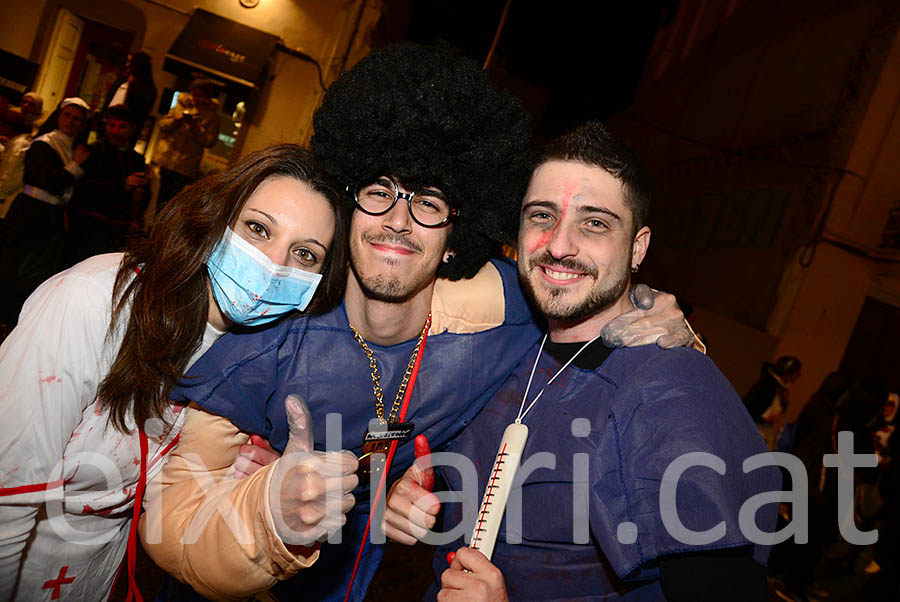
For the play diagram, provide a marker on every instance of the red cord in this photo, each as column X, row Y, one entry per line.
column 389, row 459
column 133, row 591
column 131, row 547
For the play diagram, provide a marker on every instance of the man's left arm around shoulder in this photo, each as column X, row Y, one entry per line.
column 656, row 318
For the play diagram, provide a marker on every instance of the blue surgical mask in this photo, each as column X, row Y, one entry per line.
column 250, row 288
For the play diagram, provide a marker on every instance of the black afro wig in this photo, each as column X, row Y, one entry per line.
column 428, row 115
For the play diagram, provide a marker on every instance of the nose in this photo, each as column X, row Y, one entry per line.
column 561, row 244
column 398, row 218
column 280, row 254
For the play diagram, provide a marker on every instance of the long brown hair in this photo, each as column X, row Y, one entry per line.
column 164, row 277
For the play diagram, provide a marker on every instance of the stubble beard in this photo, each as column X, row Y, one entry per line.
column 553, row 301
column 381, row 288
column 386, row 288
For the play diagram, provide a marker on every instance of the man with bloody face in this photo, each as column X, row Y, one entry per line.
column 599, row 433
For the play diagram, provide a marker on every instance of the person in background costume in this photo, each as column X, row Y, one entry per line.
column 135, row 89
column 191, row 126
column 434, row 166
column 109, row 202
column 85, row 376
column 12, row 166
column 884, row 426
column 15, row 121
column 613, row 420
column 35, row 225
column 768, row 398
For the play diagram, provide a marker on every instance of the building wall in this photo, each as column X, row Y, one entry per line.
column 19, row 22
column 849, row 264
column 730, row 345
column 334, row 33
column 747, row 133
column 759, row 120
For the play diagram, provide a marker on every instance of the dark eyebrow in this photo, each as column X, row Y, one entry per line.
column 425, row 189
column 275, row 221
column 316, row 242
column 604, row 210
column 271, row 219
column 544, row 204
column 432, row 191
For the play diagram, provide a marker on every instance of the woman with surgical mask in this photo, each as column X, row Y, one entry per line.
column 84, row 376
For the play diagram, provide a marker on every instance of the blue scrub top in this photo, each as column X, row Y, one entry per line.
column 642, row 408
column 245, row 377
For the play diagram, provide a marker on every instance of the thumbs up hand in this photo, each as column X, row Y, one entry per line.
column 411, row 508
column 309, row 492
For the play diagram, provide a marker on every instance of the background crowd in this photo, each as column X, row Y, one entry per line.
column 72, row 185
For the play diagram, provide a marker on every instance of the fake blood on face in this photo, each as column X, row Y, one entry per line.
column 546, row 237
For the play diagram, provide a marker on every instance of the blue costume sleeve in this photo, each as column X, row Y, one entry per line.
column 238, row 375
column 678, row 403
column 518, row 312
column 244, row 377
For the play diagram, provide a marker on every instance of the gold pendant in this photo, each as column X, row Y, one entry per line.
column 376, row 444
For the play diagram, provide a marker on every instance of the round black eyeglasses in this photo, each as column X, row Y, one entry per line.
column 427, row 206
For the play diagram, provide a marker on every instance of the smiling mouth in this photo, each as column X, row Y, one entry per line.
column 561, row 276
column 390, row 248
column 392, row 244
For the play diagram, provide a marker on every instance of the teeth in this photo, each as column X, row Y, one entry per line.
column 561, row 275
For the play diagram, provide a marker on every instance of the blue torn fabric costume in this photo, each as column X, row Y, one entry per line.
column 645, row 407
column 246, row 377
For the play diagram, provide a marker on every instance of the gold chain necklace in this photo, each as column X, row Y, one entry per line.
column 376, row 375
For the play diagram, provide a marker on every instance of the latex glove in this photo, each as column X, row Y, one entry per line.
column 655, row 319
column 472, row 577
column 411, row 508
column 309, row 492
column 253, row 456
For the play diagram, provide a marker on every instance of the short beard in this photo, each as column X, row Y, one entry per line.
column 387, row 289
column 379, row 288
column 553, row 306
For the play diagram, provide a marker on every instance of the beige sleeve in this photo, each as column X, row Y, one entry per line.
column 470, row 305
column 208, row 529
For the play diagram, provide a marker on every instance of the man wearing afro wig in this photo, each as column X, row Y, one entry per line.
column 433, row 159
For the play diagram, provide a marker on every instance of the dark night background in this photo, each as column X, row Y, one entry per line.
column 568, row 63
